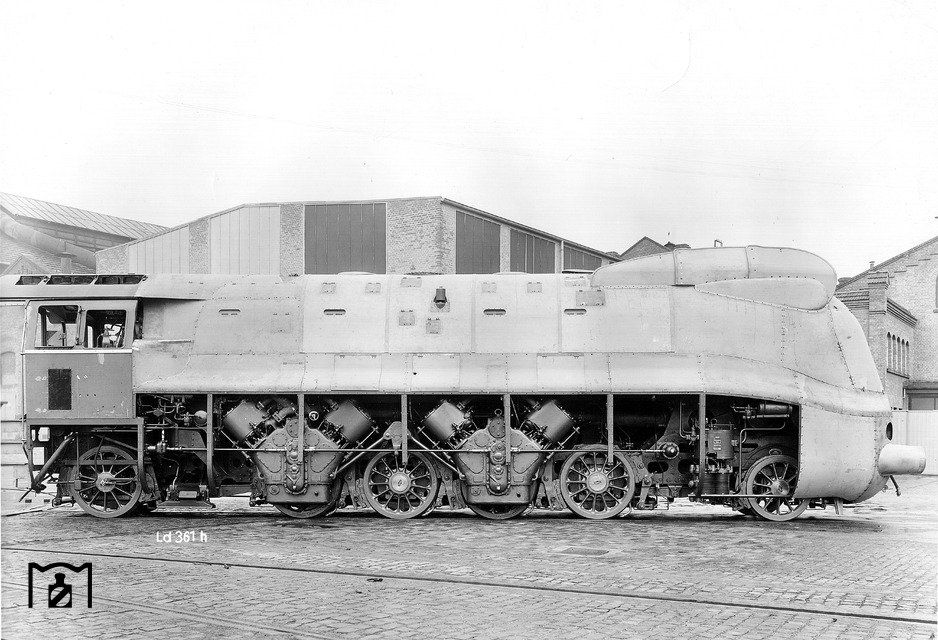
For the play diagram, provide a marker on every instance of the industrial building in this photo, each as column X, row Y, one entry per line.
column 896, row 303
column 43, row 237
column 403, row 235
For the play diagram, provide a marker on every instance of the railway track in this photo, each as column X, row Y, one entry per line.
column 836, row 613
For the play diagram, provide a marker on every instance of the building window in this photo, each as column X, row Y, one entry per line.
column 531, row 254
column 898, row 355
column 576, row 259
column 478, row 245
column 923, row 402
column 346, row 237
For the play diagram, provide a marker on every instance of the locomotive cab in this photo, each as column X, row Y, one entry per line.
column 81, row 350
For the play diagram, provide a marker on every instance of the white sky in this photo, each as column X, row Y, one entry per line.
column 810, row 125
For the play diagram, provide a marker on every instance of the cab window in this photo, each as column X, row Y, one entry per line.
column 57, row 326
column 104, row 328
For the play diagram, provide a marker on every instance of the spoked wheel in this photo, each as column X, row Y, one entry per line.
column 108, row 487
column 595, row 486
column 400, row 491
column 495, row 511
column 773, row 479
column 312, row 510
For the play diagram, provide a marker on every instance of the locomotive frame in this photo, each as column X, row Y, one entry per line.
column 729, row 376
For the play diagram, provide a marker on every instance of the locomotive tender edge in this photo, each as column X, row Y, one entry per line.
column 726, row 375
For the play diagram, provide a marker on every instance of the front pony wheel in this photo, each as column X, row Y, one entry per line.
column 772, row 480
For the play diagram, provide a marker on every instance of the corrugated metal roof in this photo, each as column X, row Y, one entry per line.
column 74, row 217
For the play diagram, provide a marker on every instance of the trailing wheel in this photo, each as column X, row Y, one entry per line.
column 397, row 490
column 773, row 479
column 106, row 483
column 595, row 486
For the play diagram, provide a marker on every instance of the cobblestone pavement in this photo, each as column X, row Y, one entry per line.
column 695, row 571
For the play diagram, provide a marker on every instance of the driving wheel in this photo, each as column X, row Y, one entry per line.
column 397, row 490
column 595, row 486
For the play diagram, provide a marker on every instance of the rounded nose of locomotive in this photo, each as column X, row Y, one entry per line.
column 899, row 459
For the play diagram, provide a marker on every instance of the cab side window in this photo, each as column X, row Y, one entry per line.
column 57, row 326
column 104, row 328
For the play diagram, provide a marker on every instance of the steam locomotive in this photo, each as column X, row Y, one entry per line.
column 728, row 376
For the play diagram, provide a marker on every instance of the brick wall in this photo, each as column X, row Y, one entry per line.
column 863, row 315
column 111, row 260
column 292, row 234
column 912, row 279
column 912, row 284
column 504, row 248
column 877, row 322
column 200, row 261
column 418, row 238
column 448, row 240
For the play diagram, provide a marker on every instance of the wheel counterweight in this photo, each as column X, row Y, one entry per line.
column 495, row 511
column 300, row 510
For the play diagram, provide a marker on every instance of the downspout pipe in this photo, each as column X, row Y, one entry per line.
column 40, row 240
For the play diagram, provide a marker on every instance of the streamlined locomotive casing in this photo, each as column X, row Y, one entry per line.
column 748, row 322
column 546, row 334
